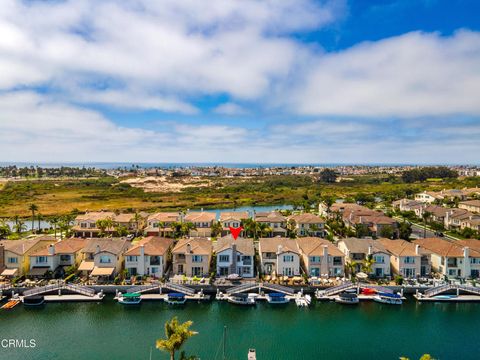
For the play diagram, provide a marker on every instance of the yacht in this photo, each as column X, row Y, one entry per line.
column 175, row 299
column 34, row 300
column 387, row 298
column 347, row 298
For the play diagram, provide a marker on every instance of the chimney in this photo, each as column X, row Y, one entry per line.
column 370, row 250
column 466, row 252
column 279, row 249
column 233, row 266
column 98, row 249
column 51, row 249
column 325, row 251
column 417, row 249
column 189, row 248
column 142, row 250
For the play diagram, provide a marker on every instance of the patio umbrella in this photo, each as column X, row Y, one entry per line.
column 233, row 276
column 362, row 276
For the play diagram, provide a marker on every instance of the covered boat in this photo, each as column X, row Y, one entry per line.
column 347, row 298
column 34, row 300
column 129, row 299
column 241, row 299
column 277, row 298
column 387, row 298
column 175, row 299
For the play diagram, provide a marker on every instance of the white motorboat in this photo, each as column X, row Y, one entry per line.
column 347, row 298
column 386, row 298
column 303, row 300
column 242, row 299
column 277, row 298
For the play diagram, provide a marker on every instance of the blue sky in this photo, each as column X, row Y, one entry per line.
column 291, row 81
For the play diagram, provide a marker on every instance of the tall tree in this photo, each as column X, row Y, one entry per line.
column 176, row 335
column 33, row 208
column 328, row 175
column 426, row 216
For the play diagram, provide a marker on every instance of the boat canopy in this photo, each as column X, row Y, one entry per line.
column 395, row 296
column 176, row 295
column 240, row 295
column 276, row 295
column 131, row 295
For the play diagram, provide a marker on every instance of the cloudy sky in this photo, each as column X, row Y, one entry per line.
column 282, row 81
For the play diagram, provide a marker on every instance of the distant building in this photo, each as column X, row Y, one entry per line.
column 307, row 224
column 203, row 222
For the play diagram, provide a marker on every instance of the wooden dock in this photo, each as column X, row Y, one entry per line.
column 72, row 298
column 162, row 297
column 457, row 299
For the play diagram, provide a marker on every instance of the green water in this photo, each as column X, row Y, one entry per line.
column 323, row 331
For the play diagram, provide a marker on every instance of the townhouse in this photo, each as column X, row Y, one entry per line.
column 279, row 256
column 148, row 257
column 357, row 251
column 86, row 225
column 235, row 256
column 103, row 257
column 407, row 259
column 160, row 224
column 203, row 222
column 470, row 205
column 232, row 219
column 428, row 197
column 274, row 220
column 320, row 257
column 308, row 224
column 453, row 259
column 17, row 254
column 454, row 218
column 192, row 256
column 375, row 223
column 57, row 256
column 409, row 205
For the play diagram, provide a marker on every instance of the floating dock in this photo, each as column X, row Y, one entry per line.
column 72, row 298
column 458, row 299
column 163, row 297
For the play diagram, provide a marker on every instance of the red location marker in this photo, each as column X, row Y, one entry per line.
column 235, row 231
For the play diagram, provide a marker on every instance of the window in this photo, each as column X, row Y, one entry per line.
column 65, row 258
column 245, row 270
column 223, row 258
column 197, row 258
column 154, row 260
column 409, row 272
column 13, row 260
column 315, row 271
column 105, row 259
column 247, row 260
column 180, row 269
column 315, row 259
column 287, row 258
column 337, row 271
column 154, row 270
column 337, row 260
column 474, row 260
column 197, row 271
column 409, row 260
column 131, row 258
column 41, row 259
column 287, row 271
column 379, row 259
column 83, row 225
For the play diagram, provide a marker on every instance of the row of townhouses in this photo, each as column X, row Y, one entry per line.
column 162, row 224
column 280, row 256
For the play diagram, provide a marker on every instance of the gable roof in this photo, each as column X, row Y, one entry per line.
column 198, row 216
column 444, row 247
column 313, row 246
column 234, row 215
column 244, row 245
column 360, row 246
column 273, row 216
column 115, row 246
column 307, row 218
column 401, row 247
column 198, row 246
column 66, row 246
column 22, row 246
column 165, row 217
column 152, row 245
column 278, row 245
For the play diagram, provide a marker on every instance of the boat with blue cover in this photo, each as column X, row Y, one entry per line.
column 175, row 299
column 277, row 298
column 388, row 298
column 129, row 298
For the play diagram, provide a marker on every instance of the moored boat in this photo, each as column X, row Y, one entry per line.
column 277, row 298
column 34, row 300
column 347, row 298
column 386, row 298
column 242, row 299
column 175, row 299
column 129, row 299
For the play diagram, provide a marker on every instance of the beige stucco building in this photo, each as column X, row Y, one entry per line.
column 192, row 256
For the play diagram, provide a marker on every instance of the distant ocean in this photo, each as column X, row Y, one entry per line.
column 115, row 165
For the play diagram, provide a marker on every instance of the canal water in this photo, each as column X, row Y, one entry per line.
column 324, row 331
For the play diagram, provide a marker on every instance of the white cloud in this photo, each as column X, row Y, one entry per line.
column 406, row 76
column 230, row 109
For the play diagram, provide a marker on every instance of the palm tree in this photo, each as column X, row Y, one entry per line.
column 368, row 264
column 292, row 228
column 351, row 268
column 65, row 225
column 263, row 229
column 426, row 216
column 55, row 222
column 33, row 208
column 101, row 225
column 250, row 226
column 136, row 219
column 175, row 336
column 216, row 228
column 19, row 225
column 4, row 229
column 39, row 219
column 186, row 227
